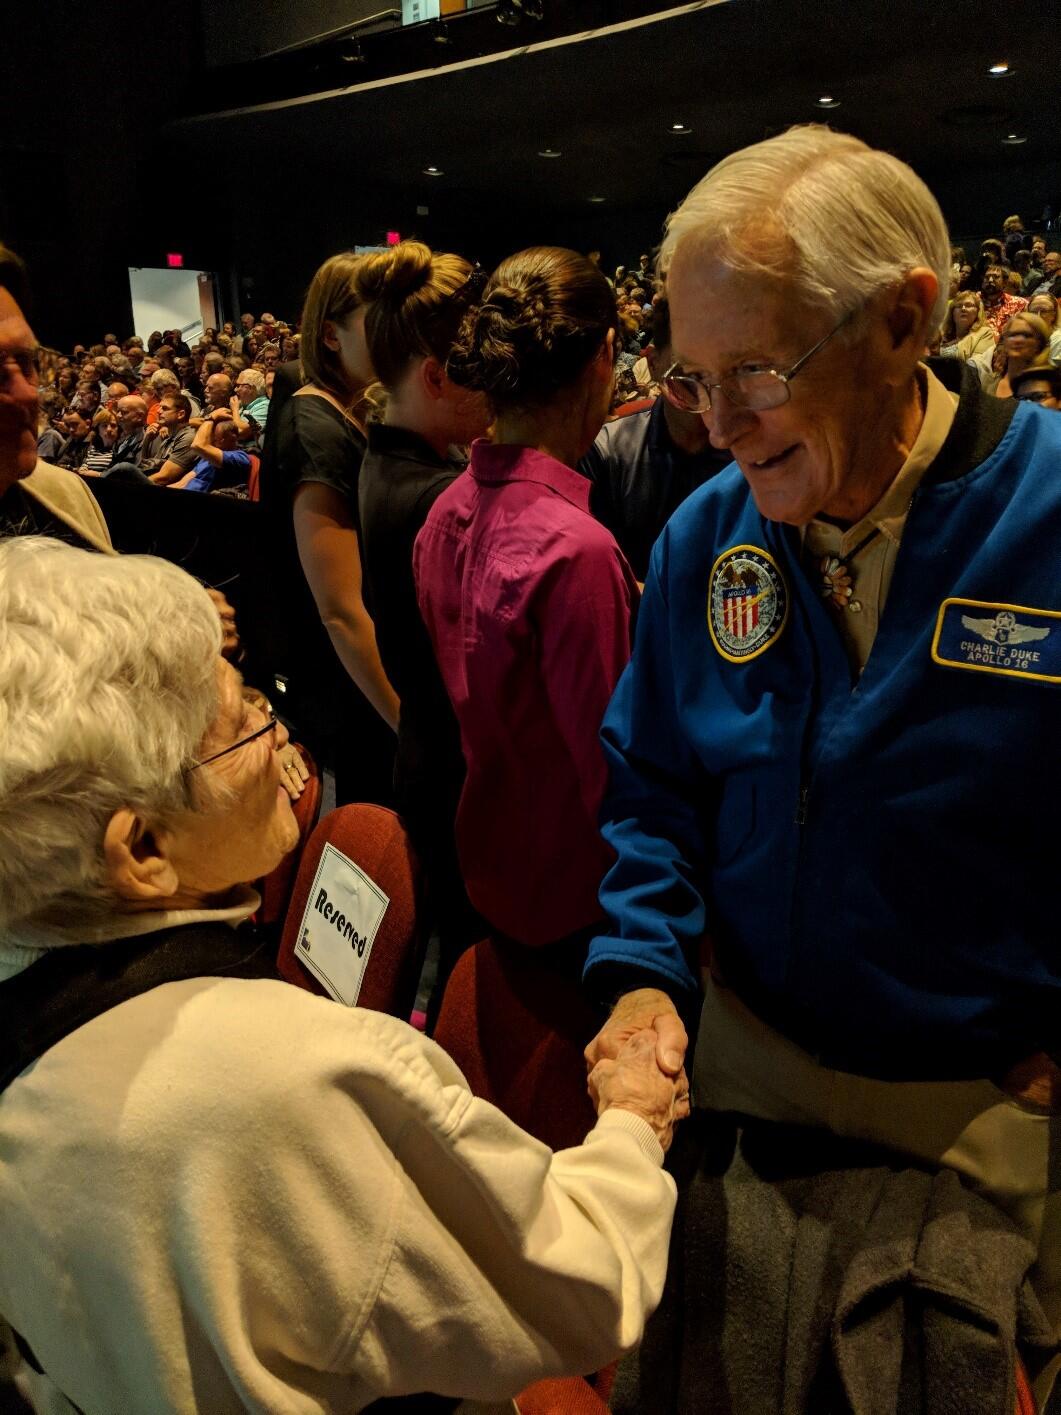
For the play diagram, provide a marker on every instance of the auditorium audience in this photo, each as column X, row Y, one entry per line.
column 528, row 600
column 1038, row 384
column 227, row 1194
column 250, row 406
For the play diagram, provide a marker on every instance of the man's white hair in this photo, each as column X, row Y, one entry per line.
column 108, row 682
column 255, row 378
column 840, row 220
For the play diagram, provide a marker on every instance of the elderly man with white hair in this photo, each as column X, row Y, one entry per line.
column 219, row 1193
column 831, row 757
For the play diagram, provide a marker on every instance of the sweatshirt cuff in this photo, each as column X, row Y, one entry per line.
column 642, row 1132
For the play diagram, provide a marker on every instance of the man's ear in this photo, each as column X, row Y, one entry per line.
column 911, row 306
column 657, row 365
column 607, row 349
column 137, row 867
column 433, row 377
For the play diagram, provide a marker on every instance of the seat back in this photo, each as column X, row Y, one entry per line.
column 373, row 840
column 276, row 888
column 516, row 1027
column 253, row 477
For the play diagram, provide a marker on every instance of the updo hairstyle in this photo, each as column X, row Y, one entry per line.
column 416, row 300
column 543, row 316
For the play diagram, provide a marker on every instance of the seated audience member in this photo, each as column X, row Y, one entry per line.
column 190, row 383
column 999, row 304
column 132, row 423
column 219, row 460
column 218, row 391
column 1051, row 266
column 528, row 600
column 345, row 1221
column 88, row 398
column 104, row 435
column 416, row 300
column 35, row 497
column 162, row 382
column 78, row 442
column 966, row 331
column 115, row 391
column 1025, row 341
column 1038, row 384
column 642, row 467
column 250, row 407
column 1045, row 308
column 178, row 451
column 50, row 409
column 268, row 356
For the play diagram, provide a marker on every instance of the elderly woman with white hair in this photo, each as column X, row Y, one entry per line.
column 219, row 1193
column 831, row 761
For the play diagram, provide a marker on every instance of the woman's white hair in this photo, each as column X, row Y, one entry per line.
column 838, row 219
column 108, row 682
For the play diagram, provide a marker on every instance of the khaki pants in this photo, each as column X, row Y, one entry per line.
column 1006, row 1151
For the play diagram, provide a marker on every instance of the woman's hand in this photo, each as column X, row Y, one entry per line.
column 634, row 1082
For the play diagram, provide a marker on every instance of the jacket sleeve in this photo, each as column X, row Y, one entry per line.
column 653, row 817
column 511, row 1264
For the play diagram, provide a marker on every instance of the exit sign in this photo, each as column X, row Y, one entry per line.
column 175, row 260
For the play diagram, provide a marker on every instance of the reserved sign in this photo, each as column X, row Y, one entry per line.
column 343, row 913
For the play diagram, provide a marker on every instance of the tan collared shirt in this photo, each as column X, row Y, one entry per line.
column 872, row 567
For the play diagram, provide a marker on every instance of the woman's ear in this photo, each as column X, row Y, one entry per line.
column 138, row 869
column 433, row 377
column 328, row 336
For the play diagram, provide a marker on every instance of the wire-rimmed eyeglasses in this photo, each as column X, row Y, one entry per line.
column 270, row 724
column 754, row 388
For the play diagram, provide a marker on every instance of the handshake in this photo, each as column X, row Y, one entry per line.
column 635, row 1062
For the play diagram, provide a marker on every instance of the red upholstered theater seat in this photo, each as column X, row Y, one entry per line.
column 374, row 840
column 517, row 1029
column 276, row 887
column 254, row 490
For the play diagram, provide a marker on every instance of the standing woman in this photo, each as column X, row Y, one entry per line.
column 416, row 301
column 344, row 704
column 528, row 600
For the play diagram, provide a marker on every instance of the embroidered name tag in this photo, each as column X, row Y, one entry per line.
column 747, row 604
column 338, row 928
column 1009, row 639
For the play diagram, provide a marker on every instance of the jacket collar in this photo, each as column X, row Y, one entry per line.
column 494, row 463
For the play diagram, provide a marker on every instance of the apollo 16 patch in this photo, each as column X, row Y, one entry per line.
column 747, row 604
column 1011, row 640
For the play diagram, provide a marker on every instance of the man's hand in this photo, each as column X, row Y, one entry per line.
column 634, row 1012
column 634, row 1082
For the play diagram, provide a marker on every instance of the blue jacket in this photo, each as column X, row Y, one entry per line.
column 874, row 865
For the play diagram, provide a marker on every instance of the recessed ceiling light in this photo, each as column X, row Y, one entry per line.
column 1001, row 70
column 597, row 200
column 680, row 128
column 433, row 172
column 1014, row 139
column 549, row 152
column 828, row 101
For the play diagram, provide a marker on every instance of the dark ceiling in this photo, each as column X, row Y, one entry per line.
column 910, row 76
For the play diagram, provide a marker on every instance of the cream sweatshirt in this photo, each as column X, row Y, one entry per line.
column 229, row 1195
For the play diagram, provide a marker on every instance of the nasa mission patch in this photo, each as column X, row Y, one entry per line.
column 747, row 604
